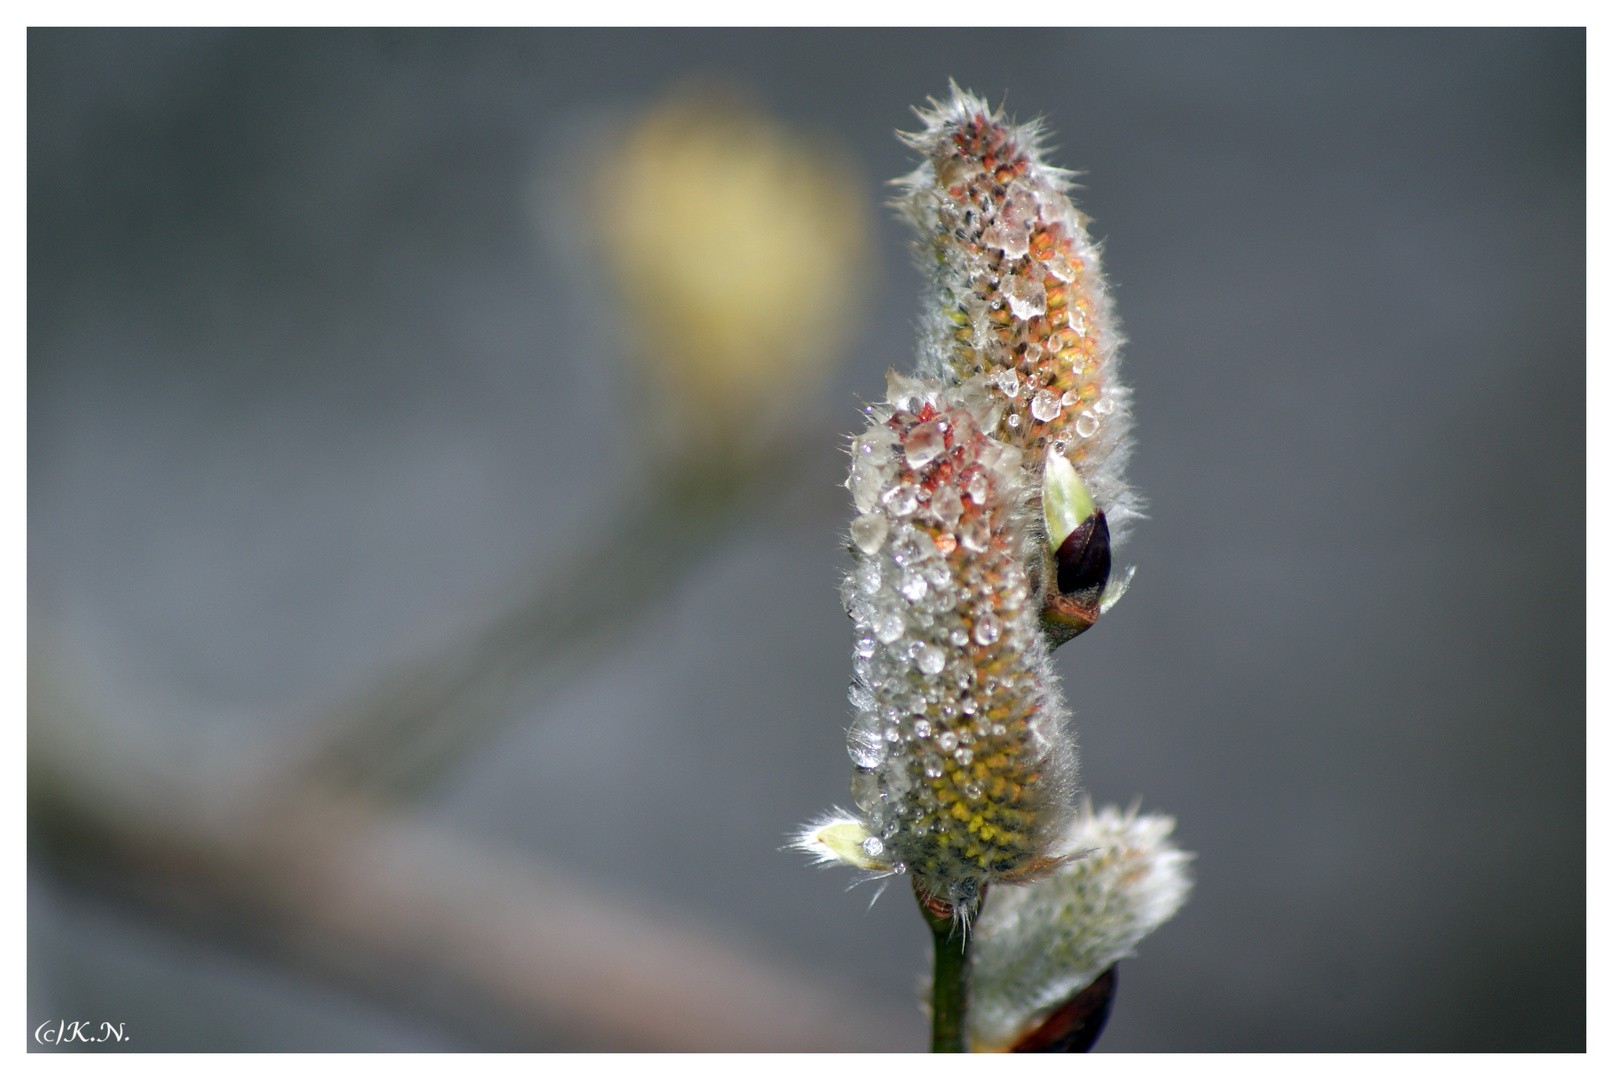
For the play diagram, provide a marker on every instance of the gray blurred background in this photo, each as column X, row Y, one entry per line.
column 319, row 380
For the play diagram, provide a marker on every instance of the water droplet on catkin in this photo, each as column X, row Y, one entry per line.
column 924, row 443
column 888, row 626
column 901, row 500
column 974, row 535
column 946, row 505
column 866, row 748
column 978, row 488
column 868, row 533
column 1026, row 298
column 987, row 630
column 914, row 587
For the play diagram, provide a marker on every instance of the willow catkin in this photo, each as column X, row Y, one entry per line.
column 982, row 487
column 1035, row 948
column 1016, row 292
column 963, row 770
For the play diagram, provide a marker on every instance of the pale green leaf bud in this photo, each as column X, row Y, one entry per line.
column 1066, row 502
column 841, row 838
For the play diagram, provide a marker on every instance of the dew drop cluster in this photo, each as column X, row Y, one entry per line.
column 959, row 768
column 1017, row 294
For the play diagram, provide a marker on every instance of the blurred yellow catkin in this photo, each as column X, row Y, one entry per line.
column 739, row 250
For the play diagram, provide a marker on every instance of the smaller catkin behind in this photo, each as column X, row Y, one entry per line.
column 1038, row 946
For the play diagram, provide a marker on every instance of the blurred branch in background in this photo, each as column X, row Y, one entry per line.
column 737, row 253
column 411, row 728
column 381, row 900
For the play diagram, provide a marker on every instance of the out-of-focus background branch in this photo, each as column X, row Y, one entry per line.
column 433, row 528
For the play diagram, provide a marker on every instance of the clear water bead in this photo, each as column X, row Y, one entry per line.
column 868, row 576
column 889, row 626
column 873, row 847
column 901, row 500
column 914, row 587
column 987, row 630
column 1070, row 398
column 978, row 488
column 1104, row 406
column 874, row 447
column 947, row 505
column 868, row 533
column 932, row 658
column 1060, row 268
column 864, row 484
column 924, row 443
column 1013, row 241
column 1026, row 298
column 1013, row 420
column 959, row 637
column 860, row 696
column 948, row 742
column 933, row 768
column 865, row 789
column 1021, row 209
column 1086, row 425
column 974, row 535
column 906, row 547
column 866, row 748
column 1046, row 406
column 922, row 729
column 964, row 755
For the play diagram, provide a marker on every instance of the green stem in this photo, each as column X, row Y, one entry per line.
column 949, row 992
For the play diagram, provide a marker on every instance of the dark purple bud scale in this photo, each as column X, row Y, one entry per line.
column 1073, row 1027
column 1082, row 560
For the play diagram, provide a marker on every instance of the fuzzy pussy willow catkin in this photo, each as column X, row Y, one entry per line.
column 964, row 768
column 1016, row 292
column 1016, row 295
